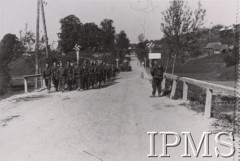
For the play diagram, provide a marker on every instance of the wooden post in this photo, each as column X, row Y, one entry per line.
column 208, row 105
column 163, row 83
column 185, row 91
column 25, row 85
column 41, row 81
column 37, row 41
column 174, row 86
column 45, row 28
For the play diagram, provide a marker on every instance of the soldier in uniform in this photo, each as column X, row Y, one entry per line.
column 55, row 75
column 92, row 74
column 78, row 74
column 47, row 74
column 70, row 76
column 113, row 68
column 62, row 77
column 84, row 75
column 95, row 70
column 157, row 74
column 104, row 75
column 101, row 74
column 108, row 72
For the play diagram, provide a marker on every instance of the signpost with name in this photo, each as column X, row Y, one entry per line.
column 154, row 56
column 150, row 46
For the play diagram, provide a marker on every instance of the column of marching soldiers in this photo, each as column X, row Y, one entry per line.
column 88, row 74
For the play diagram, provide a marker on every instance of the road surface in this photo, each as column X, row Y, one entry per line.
column 108, row 124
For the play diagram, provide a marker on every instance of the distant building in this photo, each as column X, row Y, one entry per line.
column 215, row 48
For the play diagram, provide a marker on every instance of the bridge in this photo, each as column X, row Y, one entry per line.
column 104, row 124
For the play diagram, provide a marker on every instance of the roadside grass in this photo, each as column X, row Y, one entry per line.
column 222, row 106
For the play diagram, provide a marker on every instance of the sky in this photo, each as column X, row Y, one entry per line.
column 127, row 15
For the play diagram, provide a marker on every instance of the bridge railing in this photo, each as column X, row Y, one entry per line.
column 209, row 87
column 36, row 76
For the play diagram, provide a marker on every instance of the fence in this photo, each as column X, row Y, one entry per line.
column 210, row 88
column 26, row 80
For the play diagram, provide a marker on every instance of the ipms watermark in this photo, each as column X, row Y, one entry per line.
column 190, row 144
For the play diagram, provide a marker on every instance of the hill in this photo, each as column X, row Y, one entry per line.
column 211, row 68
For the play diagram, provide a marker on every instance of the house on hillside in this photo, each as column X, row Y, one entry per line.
column 215, row 48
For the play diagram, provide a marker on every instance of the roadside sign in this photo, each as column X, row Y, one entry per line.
column 154, row 56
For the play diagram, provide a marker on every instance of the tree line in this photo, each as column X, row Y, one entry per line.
column 91, row 37
column 184, row 34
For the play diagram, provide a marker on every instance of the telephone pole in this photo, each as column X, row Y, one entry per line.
column 45, row 28
column 37, row 41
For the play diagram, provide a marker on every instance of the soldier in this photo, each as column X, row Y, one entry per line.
column 62, row 77
column 70, row 76
column 157, row 74
column 84, row 75
column 47, row 73
column 101, row 73
column 55, row 75
column 113, row 68
column 92, row 74
column 108, row 72
column 78, row 73
column 95, row 70
column 104, row 74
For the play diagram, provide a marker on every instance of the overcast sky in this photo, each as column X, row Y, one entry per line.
column 14, row 14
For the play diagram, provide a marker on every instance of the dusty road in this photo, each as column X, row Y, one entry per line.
column 108, row 124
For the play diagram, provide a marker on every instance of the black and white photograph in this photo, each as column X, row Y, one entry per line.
column 119, row 80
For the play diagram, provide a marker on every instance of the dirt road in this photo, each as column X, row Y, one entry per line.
column 108, row 124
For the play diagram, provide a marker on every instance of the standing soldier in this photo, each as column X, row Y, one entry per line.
column 108, row 72
column 99, row 74
column 92, row 74
column 84, row 75
column 47, row 73
column 113, row 68
column 157, row 74
column 78, row 73
column 55, row 75
column 62, row 77
column 70, row 76
column 104, row 72
column 95, row 71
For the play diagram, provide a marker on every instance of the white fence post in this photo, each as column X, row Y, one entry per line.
column 174, row 86
column 25, row 85
column 208, row 105
column 185, row 91
column 163, row 83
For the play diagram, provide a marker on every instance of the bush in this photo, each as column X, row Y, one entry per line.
column 5, row 82
column 230, row 60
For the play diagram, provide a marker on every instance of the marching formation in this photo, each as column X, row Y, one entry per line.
column 88, row 74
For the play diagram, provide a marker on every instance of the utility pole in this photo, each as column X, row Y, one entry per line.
column 45, row 28
column 37, row 41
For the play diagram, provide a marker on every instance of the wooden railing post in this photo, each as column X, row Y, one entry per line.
column 163, row 83
column 174, row 86
column 25, row 85
column 208, row 105
column 185, row 91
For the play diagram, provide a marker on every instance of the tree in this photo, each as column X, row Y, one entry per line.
column 70, row 33
column 141, row 37
column 109, row 34
column 91, row 36
column 10, row 48
column 122, row 41
column 181, row 26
